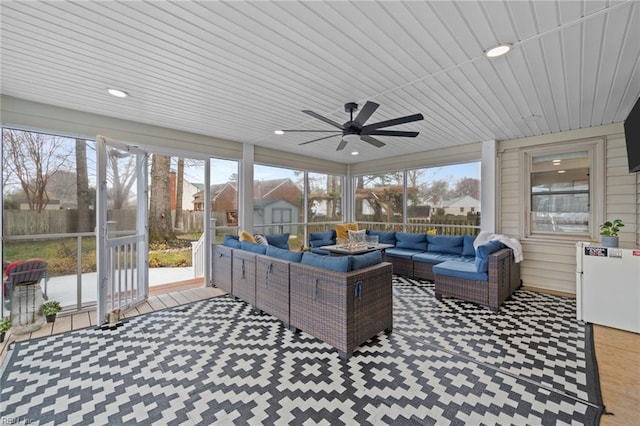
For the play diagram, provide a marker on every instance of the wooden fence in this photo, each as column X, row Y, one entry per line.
column 28, row 222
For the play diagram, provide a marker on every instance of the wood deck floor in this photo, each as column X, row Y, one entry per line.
column 617, row 352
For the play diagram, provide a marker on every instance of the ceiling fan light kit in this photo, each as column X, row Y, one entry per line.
column 355, row 129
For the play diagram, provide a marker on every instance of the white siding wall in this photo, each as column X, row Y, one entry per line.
column 549, row 264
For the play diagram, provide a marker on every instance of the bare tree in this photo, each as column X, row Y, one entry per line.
column 32, row 158
column 82, row 187
column 121, row 173
column 437, row 192
column 160, row 226
column 467, row 186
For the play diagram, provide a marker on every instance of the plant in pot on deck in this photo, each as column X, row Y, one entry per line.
column 5, row 324
column 50, row 309
column 609, row 231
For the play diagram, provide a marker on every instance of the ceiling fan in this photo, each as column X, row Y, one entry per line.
column 356, row 127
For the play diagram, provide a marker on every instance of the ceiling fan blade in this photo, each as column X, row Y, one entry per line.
column 313, row 131
column 319, row 139
column 364, row 114
column 373, row 141
column 394, row 122
column 393, row 133
column 325, row 119
column 341, row 145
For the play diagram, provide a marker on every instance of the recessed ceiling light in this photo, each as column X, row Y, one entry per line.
column 354, row 153
column 556, row 162
column 118, row 93
column 532, row 118
column 499, row 50
column 278, row 132
column 562, row 171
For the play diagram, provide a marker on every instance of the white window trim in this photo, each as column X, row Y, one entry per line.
column 595, row 147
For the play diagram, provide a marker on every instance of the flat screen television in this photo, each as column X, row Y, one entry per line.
column 632, row 135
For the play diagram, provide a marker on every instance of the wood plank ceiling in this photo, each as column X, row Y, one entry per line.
column 240, row 70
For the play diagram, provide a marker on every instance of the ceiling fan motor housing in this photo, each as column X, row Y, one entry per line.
column 350, row 107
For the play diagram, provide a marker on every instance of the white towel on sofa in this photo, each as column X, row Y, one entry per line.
column 512, row 243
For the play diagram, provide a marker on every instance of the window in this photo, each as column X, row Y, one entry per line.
column 560, row 191
column 325, row 198
column 444, row 199
column 223, row 193
column 278, row 200
column 380, row 198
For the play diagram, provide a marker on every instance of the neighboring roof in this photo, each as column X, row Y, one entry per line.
column 264, row 202
column 465, row 201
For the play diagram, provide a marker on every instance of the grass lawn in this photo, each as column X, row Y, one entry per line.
column 61, row 253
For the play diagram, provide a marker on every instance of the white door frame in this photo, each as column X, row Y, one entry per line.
column 122, row 262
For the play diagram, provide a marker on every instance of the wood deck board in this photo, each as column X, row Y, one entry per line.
column 62, row 324
column 156, row 303
column 618, row 356
column 45, row 330
column 80, row 320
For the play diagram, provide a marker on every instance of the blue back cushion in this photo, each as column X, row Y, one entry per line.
column 410, row 240
column 360, row 261
column 253, row 247
column 467, row 245
column 384, row 237
column 326, row 238
column 291, row 256
column 449, row 244
column 232, row 241
column 483, row 252
column 279, row 240
column 335, row 263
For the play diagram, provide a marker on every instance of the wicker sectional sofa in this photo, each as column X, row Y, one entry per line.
column 487, row 275
column 343, row 301
column 450, row 261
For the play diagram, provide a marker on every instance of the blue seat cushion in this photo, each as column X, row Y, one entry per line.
column 410, row 240
column 319, row 243
column 467, row 245
column 482, row 254
column 253, row 247
column 468, row 259
column 320, row 252
column 334, row 263
column 360, row 261
column 451, row 244
column 232, row 241
column 434, row 258
column 401, row 252
column 279, row 240
column 291, row 256
column 384, row 237
column 462, row 270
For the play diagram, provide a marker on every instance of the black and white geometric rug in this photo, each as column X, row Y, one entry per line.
column 216, row 361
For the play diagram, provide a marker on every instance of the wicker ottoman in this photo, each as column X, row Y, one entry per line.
column 272, row 287
column 243, row 276
column 343, row 309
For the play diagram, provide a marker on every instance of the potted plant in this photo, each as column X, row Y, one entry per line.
column 50, row 309
column 5, row 324
column 609, row 231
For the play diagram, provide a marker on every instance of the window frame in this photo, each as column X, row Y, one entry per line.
column 595, row 150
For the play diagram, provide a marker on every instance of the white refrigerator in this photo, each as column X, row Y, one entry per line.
column 608, row 286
